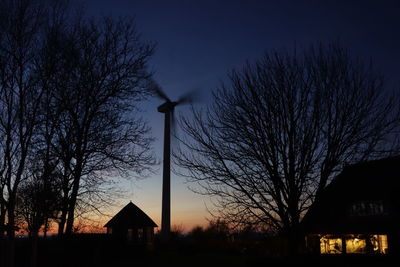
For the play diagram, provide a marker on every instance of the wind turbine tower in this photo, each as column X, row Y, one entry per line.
column 167, row 108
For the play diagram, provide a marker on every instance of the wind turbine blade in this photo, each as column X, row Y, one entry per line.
column 156, row 89
column 189, row 97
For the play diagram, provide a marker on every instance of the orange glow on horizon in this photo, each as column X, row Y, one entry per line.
column 181, row 222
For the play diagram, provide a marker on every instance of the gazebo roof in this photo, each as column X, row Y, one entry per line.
column 130, row 217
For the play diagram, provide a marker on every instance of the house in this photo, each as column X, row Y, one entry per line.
column 132, row 224
column 358, row 212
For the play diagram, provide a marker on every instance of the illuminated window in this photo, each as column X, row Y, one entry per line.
column 356, row 246
column 367, row 208
column 379, row 244
column 331, row 245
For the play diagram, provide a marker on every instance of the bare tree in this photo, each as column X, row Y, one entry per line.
column 273, row 139
column 20, row 94
column 19, row 100
column 69, row 93
column 37, row 203
column 100, row 130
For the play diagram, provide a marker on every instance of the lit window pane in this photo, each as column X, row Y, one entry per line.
column 331, row 245
column 379, row 244
column 355, row 245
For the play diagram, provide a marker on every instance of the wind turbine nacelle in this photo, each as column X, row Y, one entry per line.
column 167, row 107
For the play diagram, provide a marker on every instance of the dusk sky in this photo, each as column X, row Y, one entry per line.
column 198, row 42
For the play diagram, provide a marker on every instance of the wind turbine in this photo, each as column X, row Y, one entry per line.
column 168, row 109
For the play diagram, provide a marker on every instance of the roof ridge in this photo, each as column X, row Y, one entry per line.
column 131, row 216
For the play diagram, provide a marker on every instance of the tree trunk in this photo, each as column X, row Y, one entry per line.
column 2, row 219
column 3, row 245
column 45, row 228
column 294, row 239
column 34, row 248
column 64, row 210
column 71, row 210
column 74, row 195
column 61, row 224
column 11, row 235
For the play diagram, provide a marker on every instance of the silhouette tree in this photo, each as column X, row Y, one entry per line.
column 93, row 73
column 100, row 130
column 69, row 94
column 37, row 202
column 20, row 95
column 273, row 138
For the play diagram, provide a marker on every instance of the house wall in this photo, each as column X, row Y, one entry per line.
column 149, row 235
column 137, row 235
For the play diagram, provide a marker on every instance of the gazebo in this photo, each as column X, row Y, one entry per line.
column 132, row 224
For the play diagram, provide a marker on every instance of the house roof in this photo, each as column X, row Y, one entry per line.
column 131, row 217
column 366, row 182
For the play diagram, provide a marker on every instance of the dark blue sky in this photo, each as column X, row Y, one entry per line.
column 199, row 41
